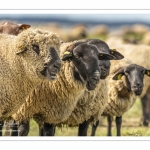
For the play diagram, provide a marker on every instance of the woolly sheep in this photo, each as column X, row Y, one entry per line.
column 92, row 103
column 53, row 102
column 13, row 28
column 123, row 93
column 146, row 38
column 139, row 54
column 77, row 32
column 26, row 60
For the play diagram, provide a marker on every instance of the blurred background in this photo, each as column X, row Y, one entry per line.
column 76, row 26
column 132, row 28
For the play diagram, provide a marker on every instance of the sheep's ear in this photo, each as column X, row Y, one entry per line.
column 118, row 75
column 67, row 55
column 105, row 56
column 116, row 54
column 147, row 72
column 22, row 50
column 24, row 26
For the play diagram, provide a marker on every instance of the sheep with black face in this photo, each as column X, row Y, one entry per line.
column 125, row 83
column 26, row 60
column 139, row 54
column 92, row 103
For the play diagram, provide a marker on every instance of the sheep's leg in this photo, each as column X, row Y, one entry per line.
column 94, row 127
column 145, row 108
column 118, row 125
column 23, row 128
column 41, row 132
column 14, row 127
column 7, row 130
column 109, row 120
column 1, row 127
column 48, row 130
column 83, row 127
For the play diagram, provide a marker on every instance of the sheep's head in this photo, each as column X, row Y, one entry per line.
column 134, row 75
column 13, row 28
column 105, row 64
column 40, row 50
column 85, row 58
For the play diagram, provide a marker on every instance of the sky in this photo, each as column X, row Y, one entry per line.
column 87, row 17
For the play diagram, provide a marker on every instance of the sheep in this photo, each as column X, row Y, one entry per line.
column 139, row 54
column 77, row 32
column 125, row 83
column 92, row 102
column 26, row 60
column 98, row 30
column 13, row 28
column 53, row 102
column 146, row 38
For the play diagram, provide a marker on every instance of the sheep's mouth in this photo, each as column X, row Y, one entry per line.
column 90, row 86
column 138, row 92
column 48, row 74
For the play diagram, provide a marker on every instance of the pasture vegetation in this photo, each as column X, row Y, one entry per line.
column 131, row 125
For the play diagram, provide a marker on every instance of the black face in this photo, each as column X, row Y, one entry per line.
column 53, row 66
column 134, row 77
column 85, row 59
column 103, row 64
column 105, row 68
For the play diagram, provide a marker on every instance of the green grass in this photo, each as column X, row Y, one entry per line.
column 101, row 37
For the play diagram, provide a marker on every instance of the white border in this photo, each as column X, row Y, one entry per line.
column 75, row 11
column 74, row 4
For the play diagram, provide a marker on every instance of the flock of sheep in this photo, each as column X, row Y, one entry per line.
column 74, row 83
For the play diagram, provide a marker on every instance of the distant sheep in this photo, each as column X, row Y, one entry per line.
column 13, row 28
column 26, row 60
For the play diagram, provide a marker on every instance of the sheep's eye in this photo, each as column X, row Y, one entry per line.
column 36, row 48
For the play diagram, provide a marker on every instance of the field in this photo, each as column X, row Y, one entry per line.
column 131, row 125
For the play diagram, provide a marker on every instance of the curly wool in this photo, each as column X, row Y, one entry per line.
column 117, row 105
column 53, row 102
column 92, row 103
column 139, row 54
column 20, row 73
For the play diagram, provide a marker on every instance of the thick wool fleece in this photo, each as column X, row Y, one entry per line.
column 92, row 103
column 19, row 74
column 118, row 105
column 53, row 102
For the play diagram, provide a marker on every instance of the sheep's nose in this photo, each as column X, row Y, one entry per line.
column 96, row 77
column 57, row 64
column 137, row 86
